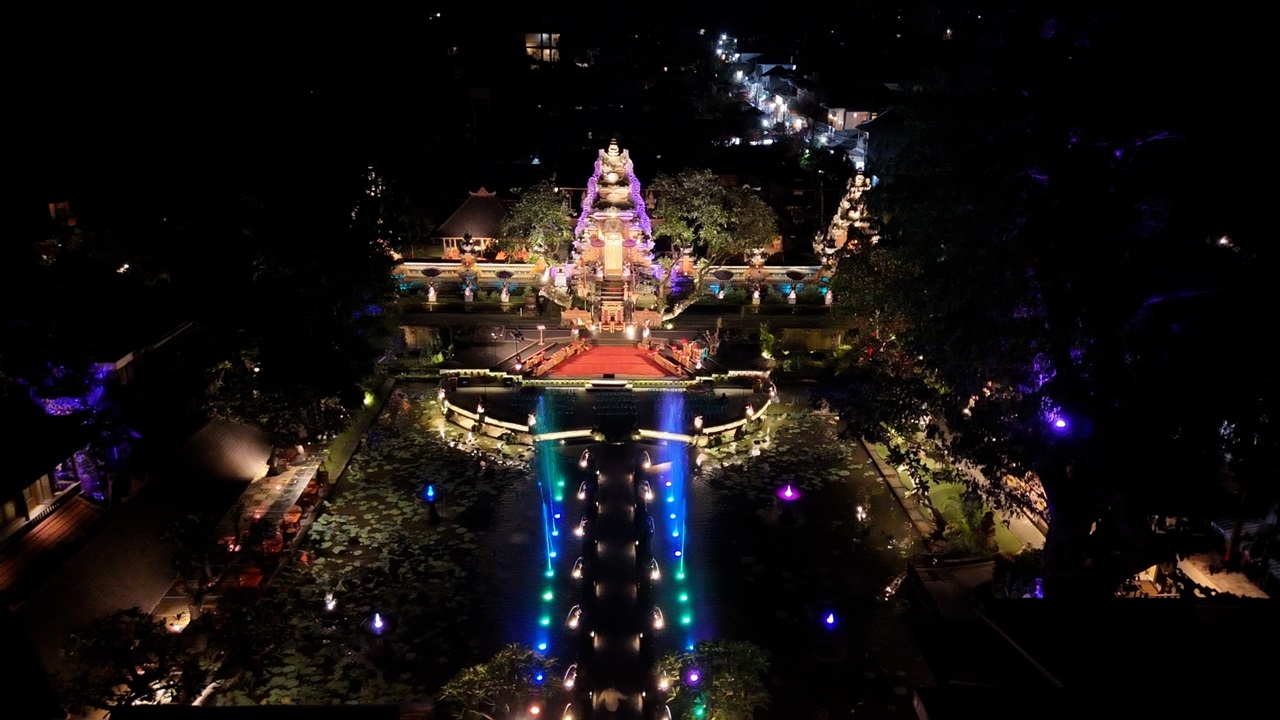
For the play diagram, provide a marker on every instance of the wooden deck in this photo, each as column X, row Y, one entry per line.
column 22, row 566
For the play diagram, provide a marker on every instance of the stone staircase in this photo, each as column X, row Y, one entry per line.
column 610, row 293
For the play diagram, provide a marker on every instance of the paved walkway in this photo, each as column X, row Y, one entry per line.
column 903, row 487
column 58, row 584
column 273, row 497
column 920, row 517
column 616, row 647
column 270, row 497
column 127, row 564
column 1197, row 567
column 1203, row 569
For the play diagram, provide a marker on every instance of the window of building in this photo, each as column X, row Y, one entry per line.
column 543, row 47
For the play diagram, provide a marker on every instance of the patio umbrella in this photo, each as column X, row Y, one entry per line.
column 505, row 274
column 796, row 275
column 723, row 274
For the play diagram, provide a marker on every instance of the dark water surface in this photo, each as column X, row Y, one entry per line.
column 755, row 567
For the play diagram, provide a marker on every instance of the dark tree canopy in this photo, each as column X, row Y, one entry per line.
column 505, row 686
column 541, row 222
column 307, row 328
column 714, row 223
column 730, row 681
column 1037, row 264
column 124, row 658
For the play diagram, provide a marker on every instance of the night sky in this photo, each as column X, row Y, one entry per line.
column 130, row 95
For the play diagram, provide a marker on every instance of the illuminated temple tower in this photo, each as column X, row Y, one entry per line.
column 613, row 238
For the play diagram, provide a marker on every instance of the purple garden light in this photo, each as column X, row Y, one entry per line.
column 788, row 493
column 1053, row 416
column 694, row 676
column 1058, row 423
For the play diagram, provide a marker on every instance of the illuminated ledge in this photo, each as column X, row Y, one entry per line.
column 661, row 435
column 608, row 385
column 562, row 435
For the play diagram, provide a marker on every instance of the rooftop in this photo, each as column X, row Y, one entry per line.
column 480, row 216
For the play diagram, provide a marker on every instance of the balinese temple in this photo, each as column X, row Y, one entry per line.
column 613, row 239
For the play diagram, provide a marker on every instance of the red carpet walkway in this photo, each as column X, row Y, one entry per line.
column 623, row 362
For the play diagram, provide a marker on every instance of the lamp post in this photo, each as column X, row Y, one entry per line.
column 822, row 199
column 432, row 513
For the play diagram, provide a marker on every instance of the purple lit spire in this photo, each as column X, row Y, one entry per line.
column 636, row 197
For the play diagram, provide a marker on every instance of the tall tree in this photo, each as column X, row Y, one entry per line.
column 717, row 680
column 712, row 222
column 305, row 333
column 503, row 687
column 124, row 658
column 540, row 222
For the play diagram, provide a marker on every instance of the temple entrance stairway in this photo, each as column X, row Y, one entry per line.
column 611, row 303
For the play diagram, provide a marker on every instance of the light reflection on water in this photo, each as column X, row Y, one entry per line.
column 749, row 574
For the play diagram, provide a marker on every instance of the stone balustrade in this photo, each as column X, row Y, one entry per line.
column 522, row 274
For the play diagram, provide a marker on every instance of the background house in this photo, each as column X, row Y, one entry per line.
column 845, row 110
column 90, row 444
column 50, row 463
column 472, row 229
column 883, row 136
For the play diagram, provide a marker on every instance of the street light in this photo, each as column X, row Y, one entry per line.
column 822, row 198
